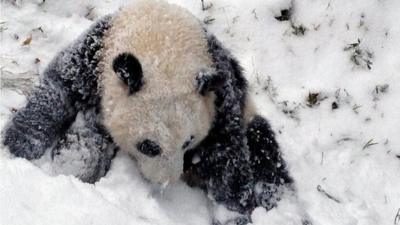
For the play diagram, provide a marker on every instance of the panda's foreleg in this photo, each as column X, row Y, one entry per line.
column 269, row 168
column 35, row 127
column 69, row 84
column 85, row 150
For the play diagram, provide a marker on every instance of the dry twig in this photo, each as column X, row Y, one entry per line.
column 331, row 197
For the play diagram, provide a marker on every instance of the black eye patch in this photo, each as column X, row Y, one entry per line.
column 128, row 69
column 149, row 148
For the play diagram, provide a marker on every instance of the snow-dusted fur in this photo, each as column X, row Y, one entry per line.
column 69, row 85
column 233, row 156
column 239, row 162
column 171, row 47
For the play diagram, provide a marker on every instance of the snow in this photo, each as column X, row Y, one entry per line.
column 345, row 161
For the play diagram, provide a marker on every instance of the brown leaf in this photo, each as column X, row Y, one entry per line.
column 27, row 41
column 312, row 99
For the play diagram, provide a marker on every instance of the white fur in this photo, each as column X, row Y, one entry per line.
column 171, row 46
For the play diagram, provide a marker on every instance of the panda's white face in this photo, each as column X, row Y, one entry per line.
column 151, row 107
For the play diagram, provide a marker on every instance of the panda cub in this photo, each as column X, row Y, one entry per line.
column 151, row 81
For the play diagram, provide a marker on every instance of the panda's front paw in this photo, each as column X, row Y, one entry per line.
column 22, row 145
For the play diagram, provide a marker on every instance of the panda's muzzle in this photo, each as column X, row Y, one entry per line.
column 149, row 148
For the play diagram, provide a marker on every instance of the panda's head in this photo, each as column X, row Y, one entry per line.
column 156, row 86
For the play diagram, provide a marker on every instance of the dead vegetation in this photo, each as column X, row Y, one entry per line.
column 289, row 108
column 369, row 144
column 314, row 99
column 206, row 6
column 379, row 91
column 326, row 194
column 360, row 57
column 287, row 15
column 397, row 218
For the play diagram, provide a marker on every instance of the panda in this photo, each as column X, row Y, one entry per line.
column 150, row 80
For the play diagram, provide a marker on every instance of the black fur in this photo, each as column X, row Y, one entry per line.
column 149, row 148
column 224, row 169
column 209, row 82
column 269, row 169
column 240, row 165
column 69, row 85
column 87, row 145
column 128, row 69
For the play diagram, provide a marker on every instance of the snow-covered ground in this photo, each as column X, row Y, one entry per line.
column 326, row 73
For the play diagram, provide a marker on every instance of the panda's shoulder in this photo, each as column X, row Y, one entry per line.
column 75, row 70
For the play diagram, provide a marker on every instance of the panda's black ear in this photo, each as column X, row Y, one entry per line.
column 128, row 69
column 207, row 81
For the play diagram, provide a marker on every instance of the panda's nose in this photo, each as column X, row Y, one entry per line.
column 149, row 148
